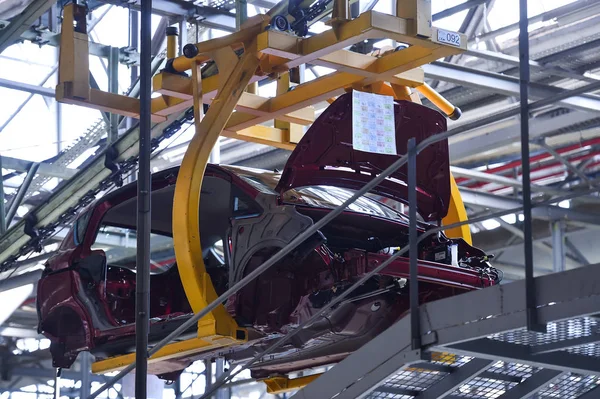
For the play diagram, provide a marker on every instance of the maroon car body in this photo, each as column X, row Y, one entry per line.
column 86, row 294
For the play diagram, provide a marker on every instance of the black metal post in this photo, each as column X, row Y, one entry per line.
column 134, row 42
column 532, row 323
column 113, row 87
column 142, row 300
column 2, row 212
column 415, row 326
column 208, row 374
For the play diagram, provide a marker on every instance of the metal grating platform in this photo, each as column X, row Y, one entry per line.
column 484, row 351
column 556, row 332
column 570, row 386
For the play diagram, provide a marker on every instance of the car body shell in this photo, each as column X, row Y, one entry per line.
column 84, row 303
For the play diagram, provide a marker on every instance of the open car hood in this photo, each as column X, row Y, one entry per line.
column 324, row 156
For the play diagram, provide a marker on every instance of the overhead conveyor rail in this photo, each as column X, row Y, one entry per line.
column 487, row 350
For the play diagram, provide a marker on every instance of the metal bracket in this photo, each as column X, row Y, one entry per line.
column 32, row 231
column 129, row 56
column 109, row 162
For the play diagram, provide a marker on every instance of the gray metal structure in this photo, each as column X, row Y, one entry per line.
column 489, row 335
column 486, row 351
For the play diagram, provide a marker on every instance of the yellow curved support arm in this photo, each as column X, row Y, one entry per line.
column 457, row 213
column 186, row 203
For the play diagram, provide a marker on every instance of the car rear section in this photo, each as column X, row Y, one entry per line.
column 322, row 173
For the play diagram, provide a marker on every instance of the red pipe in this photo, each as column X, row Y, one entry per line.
column 533, row 180
column 535, row 158
column 550, row 166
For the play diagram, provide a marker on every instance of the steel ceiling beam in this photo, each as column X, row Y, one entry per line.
column 499, row 179
column 545, row 212
column 18, row 197
column 23, row 22
column 34, row 89
column 20, row 280
column 542, row 143
column 548, row 249
column 505, row 85
column 507, row 135
column 263, row 3
column 100, row 50
column 549, row 15
column 74, row 190
column 179, row 9
column 576, row 252
column 514, row 110
column 509, row 246
column 512, row 60
column 456, row 9
column 47, row 169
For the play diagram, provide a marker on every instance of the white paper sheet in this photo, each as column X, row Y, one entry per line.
column 373, row 127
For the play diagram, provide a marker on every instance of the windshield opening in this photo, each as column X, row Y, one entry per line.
column 328, row 197
column 331, row 197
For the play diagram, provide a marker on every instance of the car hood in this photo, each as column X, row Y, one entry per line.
column 324, row 156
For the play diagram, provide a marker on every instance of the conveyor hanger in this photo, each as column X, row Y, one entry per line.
column 259, row 51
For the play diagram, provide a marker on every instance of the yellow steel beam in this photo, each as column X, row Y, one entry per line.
column 73, row 56
column 165, row 105
column 387, row 67
column 363, row 68
column 340, row 12
column 281, row 384
column 280, row 51
column 294, row 131
column 419, row 11
column 368, row 25
column 260, row 134
column 234, row 41
column 104, row 101
column 186, row 227
column 174, row 350
column 176, row 86
column 303, row 95
column 285, row 51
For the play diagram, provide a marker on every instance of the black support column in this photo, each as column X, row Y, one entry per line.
column 142, row 302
